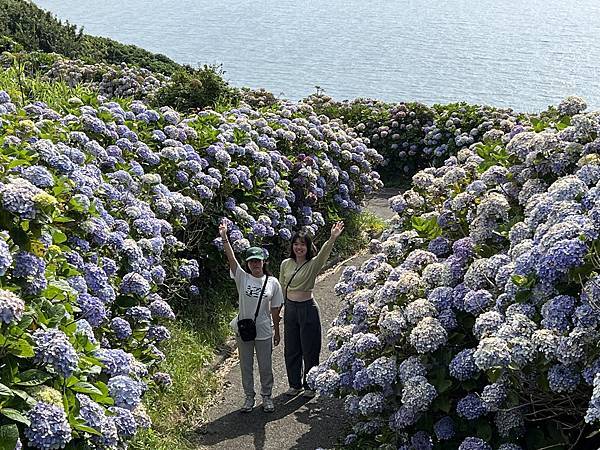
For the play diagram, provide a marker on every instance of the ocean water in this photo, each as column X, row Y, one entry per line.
column 511, row 53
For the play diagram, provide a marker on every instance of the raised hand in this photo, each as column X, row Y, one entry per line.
column 337, row 229
column 223, row 230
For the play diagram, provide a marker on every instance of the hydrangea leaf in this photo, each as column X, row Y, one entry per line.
column 9, row 435
column 15, row 415
column 32, row 377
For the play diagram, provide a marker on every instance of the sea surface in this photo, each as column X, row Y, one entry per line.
column 520, row 54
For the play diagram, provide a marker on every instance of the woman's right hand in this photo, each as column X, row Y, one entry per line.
column 223, row 230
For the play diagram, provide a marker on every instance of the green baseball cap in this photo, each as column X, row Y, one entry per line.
column 255, row 253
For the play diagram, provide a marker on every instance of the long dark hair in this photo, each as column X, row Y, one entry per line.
column 266, row 270
column 303, row 236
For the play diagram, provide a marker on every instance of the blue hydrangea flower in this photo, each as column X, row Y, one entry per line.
column 17, row 196
column 418, row 393
column 463, row 367
column 52, row 348
column 95, row 417
column 409, row 368
column 92, row 309
column 421, row 441
column 476, row 302
column 444, row 428
column 158, row 333
column 474, row 443
column 121, row 328
column 39, row 176
column 161, row 309
column 11, row 307
column 116, row 361
column 371, row 403
column 563, row 378
column 428, row 335
column 126, row 392
column 124, row 421
column 134, row 283
column 5, row 257
column 162, row 379
column 470, row 407
column 49, row 428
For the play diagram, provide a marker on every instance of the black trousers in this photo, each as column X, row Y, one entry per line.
column 302, row 340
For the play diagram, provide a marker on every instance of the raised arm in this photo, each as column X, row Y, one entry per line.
column 233, row 263
column 323, row 255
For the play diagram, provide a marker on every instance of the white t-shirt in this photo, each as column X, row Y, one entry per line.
column 249, row 288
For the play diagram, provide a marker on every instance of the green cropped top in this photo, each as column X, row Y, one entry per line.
column 306, row 276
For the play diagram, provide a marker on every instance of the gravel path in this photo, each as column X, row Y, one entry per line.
column 298, row 423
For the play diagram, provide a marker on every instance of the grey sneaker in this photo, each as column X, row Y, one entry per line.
column 292, row 392
column 248, row 405
column 308, row 393
column 268, row 405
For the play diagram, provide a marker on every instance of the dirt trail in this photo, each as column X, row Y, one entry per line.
column 298, row 423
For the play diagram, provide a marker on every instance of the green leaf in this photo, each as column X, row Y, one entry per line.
column 86, row 429
column 17, row 162
column 58, row 236
column 31, row 401
column 5, row 391
column 519, row 280
column 62, row 219
column 21, row 348
column 86, row 388
column 56, row 314
column 443, row 385
column 15, row 415
column 9, row 434
column 33, row 377
column 484, row 431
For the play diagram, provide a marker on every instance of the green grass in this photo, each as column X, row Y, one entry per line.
column 359, row 229
column 25, row 89
column 177, row 412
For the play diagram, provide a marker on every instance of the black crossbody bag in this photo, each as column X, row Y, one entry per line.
column 292, row 277
column 247, row 327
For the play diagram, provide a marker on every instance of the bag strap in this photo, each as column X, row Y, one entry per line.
column 261, row 296
column 292, row 277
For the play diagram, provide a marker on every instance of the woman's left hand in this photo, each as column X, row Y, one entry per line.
column 337, row 229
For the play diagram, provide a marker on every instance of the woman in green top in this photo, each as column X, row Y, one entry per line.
column 301, row 318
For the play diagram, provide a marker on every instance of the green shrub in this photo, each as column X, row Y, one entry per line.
column 192, row 89
column 36, row 29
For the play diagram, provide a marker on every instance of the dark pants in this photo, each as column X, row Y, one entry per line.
column 302, row 340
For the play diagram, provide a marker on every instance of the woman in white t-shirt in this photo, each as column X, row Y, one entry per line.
column 250, row 283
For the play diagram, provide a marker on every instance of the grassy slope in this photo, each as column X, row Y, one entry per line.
column 36, row 29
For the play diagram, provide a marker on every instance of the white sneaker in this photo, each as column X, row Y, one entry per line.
column 308, row 393
column 292, row 392
column 268, row 405
column 248, row 405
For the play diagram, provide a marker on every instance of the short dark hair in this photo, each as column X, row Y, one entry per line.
column 307, row 239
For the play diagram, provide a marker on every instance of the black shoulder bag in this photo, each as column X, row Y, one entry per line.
column 292, row 277
column 247, row 327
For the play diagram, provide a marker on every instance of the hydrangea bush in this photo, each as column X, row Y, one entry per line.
column 109, row 80
column 102, row 206
column 475, row 323
column 412, row 136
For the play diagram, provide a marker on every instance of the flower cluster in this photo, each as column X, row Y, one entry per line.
column 111, row 81
column 485, row 292
column 103, row 205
